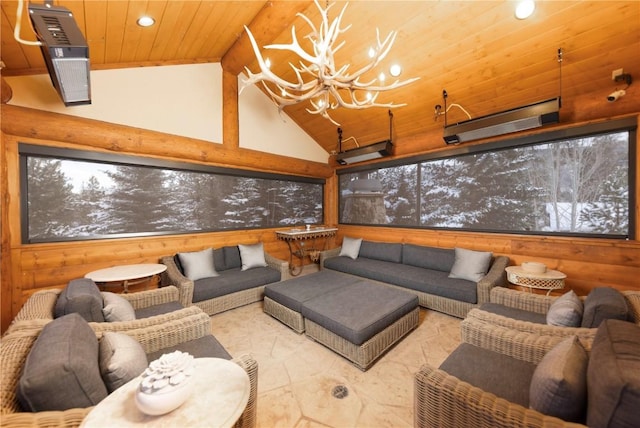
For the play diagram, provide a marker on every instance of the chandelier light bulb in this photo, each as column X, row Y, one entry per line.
column 395, row 70
column 372, row 52
column 525, row 8
column 267, row 62
column 381, row 77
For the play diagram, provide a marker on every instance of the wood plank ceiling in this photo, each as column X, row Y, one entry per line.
column 486, row 59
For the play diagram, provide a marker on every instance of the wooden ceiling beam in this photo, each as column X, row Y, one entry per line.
column 272, row 20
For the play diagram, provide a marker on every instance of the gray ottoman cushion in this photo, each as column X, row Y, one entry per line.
column 81, row 296
column 504, row 376
column 61, row 371
column 360, row 310
column 294, row 292
column 514, row 313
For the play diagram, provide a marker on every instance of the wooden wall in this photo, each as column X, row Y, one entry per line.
column 28, row 268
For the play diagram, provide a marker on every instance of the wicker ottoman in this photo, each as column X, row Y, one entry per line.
column 361, row 320
column 284, row 300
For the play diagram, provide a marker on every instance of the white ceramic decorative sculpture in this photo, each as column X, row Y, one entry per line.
column 166, row 383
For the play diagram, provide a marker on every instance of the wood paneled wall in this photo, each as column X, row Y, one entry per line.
column 28, row 268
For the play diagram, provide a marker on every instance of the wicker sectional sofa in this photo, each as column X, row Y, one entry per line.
column 421, row 270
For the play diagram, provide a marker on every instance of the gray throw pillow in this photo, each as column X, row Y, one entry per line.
column 198, row 264
column 350, row 247
column 604, row 303
column 470, row 265
column 117, row 308
column 559, row 383
column 122, row 359
column 566, row 311
column 61, row 371
column 252, row 256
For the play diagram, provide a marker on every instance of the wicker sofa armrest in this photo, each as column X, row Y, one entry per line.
column 281, row 266
column 444, row 401
column 480, row 316
column 496, row 277
column 40, row 305
column 173, row 276
column 633, row 300
column 528, row 346
column 144, row 299
column 324, row 255
column 531, row 302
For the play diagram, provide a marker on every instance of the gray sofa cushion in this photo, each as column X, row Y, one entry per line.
column 504, row 376
column 470, row 265
column 252, row 256
column 61, row 372
column 515, row 313
column 159, row 309
column 233, row 280
column 218, row 259
column 81, row 296
column 604, row 303
column 122, row 358
column 384, row 251
column 232, row 258
column 198, row 264
column 441, row 259
column 359, row 311
column 294, row 292
column 116, row 308
column 350, row 247
column 613, row 376
column 203, row 347
column 424, row 280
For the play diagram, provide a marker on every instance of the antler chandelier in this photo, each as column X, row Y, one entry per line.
column 318, row 79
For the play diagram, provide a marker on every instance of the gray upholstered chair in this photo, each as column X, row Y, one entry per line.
column 190, row 334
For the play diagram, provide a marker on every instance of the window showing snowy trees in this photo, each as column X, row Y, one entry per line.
column 70, row 198
column 571, row 186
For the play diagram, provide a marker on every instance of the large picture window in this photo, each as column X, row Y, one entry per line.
column 72, row 195
column 579, row 184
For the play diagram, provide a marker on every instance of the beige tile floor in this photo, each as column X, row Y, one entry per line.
column 296, row 376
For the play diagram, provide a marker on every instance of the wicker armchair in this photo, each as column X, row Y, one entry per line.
column 213, row 306
column 15, row 347
column 39, row 310
column 444, row 401
column 477, row 327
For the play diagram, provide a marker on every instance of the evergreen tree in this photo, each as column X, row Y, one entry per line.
column 50, row 200
column 90, row 213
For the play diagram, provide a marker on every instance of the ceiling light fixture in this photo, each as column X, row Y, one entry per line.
column 318, row 79
column 525, row 9
column 146, row 21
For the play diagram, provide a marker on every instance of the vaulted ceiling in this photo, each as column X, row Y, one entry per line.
column 486, row 59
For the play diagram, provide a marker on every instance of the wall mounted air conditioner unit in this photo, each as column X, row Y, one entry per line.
column 361, row 154
column 65, row 52
column 518, row 119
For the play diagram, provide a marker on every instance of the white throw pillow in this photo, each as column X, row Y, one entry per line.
column 121, row 359
column 350, row 247
column 198, row 264
column 117, row 308
column 470, row 265
column 252, row 256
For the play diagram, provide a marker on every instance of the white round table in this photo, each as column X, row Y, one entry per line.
column 549, row 280
column 127, row 274
column 219, row 397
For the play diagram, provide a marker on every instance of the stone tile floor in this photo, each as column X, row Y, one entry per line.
column 296, row 376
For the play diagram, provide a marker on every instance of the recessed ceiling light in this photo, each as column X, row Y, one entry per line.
column 525, row 8
column 146, row 21
column 395, row 70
